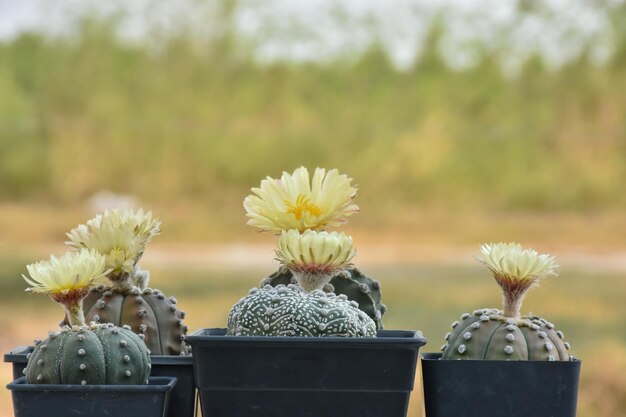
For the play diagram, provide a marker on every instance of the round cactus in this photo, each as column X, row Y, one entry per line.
column 298, row 300
column 291, row 311
column 121, row 237
column 506, row 335
column 94, row 355
column 80, row 354
column 489, row 334
column 351, row 282
column 149, row 313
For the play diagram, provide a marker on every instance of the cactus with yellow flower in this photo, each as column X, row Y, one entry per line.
column 296, row 201
column 79, row 353
column 298, row 300
column 506, row 334
column 121, row 236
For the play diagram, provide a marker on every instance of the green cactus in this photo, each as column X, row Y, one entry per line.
column 80, row 354
column 291, row 311
column 505, row 335
column 350, row 282
column 489, row 334
column 121, row 236
column 149, row 313
column 94, row 355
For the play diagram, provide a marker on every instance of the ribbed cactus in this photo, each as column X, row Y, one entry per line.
column 148, row 312
column 489, row 334
column 351, row 282
column 291, row 311
column 80, row 354
column 505, row 335
column 94, row 355
column 121, row 236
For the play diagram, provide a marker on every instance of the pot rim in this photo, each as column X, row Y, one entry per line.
column 436, row 357
column 156, row 384
column 384, row 337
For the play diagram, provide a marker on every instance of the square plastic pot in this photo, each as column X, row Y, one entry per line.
column 52, row 400
column 182, row 397
column 305, row 376
column 475, row 388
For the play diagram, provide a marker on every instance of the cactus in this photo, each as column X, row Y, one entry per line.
column 506, row 335
column 298, row 300
column 80, row 354
column 95, row 355
column 303, row 309
column 121, row 237
column 149, row 313
column 351, row 282
column 291, row 311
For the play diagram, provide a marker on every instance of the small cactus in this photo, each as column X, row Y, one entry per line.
column 303, row 309
column 506, row 335
column 151, row 314
column 121, row 236
column 81, row 354
column 94, row 355
column 351, row 282
column 291, row 311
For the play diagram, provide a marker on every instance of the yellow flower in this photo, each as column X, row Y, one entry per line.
column 120, row 235
column 313, row 252
column 511, row 261
column 74, row 271
column 296, row 202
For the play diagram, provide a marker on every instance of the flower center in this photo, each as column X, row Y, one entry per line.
column 302, row 204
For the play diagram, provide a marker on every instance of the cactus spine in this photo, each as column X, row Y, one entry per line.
column 505, row 334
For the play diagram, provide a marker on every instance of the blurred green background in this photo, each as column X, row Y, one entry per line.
column 461, row 123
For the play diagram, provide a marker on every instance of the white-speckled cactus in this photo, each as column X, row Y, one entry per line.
column 298, row 201
column 81, row 354
column 506, row 335
column 291, row 311
column 303, row 309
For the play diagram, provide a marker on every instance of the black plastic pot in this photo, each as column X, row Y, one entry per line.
column 474, row 388
column 305, row 376
column 182, row 398
column 51, row 400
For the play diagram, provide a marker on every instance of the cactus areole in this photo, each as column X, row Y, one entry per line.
column 507, row 335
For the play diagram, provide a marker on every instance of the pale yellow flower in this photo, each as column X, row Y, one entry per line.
column 315, row 252
column 511, row 261
column 120, row 235
column 296, row 202
column 73, row 271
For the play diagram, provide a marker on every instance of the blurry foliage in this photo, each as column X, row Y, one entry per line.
column 91, row 112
